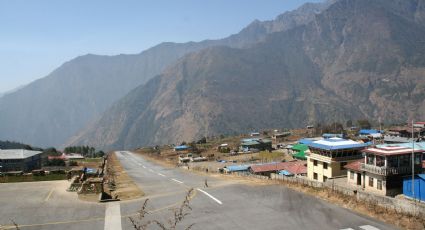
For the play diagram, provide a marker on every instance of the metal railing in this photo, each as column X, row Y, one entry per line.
column 386, row 171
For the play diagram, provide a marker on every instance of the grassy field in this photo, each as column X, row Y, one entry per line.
column 14, row 179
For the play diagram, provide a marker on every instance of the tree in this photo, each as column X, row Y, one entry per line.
column 364, row 124
column 349, row 124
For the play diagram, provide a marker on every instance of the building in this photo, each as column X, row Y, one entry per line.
column 249, row 144
column 181, row 148
column 328, row 157
column 278, row 138
column 354, row 172
column 419, row 187
column 236, row 168
column 299, row 151
column 293, row 167
column 383, row 168
column 403, row 134
column 19, row 160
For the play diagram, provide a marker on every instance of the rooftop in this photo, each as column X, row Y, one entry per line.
column 355, row 165
column 17, row 153
column 418, row 145
column 391, row 150
column 337, row 143
column 294, row 167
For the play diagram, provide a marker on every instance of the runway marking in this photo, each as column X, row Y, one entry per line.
column 143, row 166
column 161, row 174
column 177, row 181
column 210, row 196
column 113, row 216
column 368, row 227
column 346, row 229
column 48, row 196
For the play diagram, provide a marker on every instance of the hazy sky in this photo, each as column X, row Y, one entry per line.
column 37, row 36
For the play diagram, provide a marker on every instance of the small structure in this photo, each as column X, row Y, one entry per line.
column 236, row 168
column 328, row 157
column 331, row 135
column 19, row 160
column 255, row 143
column 293, row 167
column 299, row 151
column 280, row 137
column 254, row 134
column 181, row 148
column 419, row 186
column 354, row 172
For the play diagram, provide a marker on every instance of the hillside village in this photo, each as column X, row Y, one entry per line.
column 373, row 161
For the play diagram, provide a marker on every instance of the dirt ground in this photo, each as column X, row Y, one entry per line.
column 126, row 189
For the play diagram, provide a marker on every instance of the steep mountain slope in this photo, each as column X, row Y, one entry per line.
column 357, row 59
column 49, row 111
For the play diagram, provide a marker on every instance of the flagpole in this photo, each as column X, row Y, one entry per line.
column 413, row 162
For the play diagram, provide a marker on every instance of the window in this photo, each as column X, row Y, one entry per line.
column 370, row 159
column 352, row 175
column 325, row 165
column 342, row 165
column 370, row 181
column 315, row 162
column 379, row 184
column 325, row 178
column 380, row 161
column 315, row 176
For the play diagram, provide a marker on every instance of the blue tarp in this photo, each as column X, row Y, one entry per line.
column 330, row 135
column 286, row 173
column 305, row 141
column 181, row 147
column 368, row 131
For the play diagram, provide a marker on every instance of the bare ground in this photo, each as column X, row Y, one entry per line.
column 126, row 189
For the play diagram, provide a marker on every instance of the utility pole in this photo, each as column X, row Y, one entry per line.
column 413, row 162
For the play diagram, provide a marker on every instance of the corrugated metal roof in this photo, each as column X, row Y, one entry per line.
column 295, row 167
column 337, row 143
column 236, row 168
column 17, row 153
column 368, row 131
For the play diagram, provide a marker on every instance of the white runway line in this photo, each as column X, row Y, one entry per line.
column 215, row 199
column 143, row 166
column 113, row 216
column 161, row 174
column 368, row 227
column 347, row 229
column 177, row 181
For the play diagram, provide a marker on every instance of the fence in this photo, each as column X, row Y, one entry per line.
column 400, row 205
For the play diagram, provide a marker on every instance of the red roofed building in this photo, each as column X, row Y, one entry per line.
column 294, row 167
column 382, row 169
column 354, row 172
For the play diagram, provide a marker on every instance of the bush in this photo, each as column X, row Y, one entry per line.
column 73, row 163
column 56, row 162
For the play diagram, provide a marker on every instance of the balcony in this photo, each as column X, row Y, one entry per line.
column 386, row 171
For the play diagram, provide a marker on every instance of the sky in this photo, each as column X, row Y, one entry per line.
column 38, row 36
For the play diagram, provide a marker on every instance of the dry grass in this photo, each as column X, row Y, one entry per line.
column 125, row 189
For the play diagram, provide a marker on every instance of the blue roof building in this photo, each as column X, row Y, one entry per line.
column 328, row 157
column 368, row 131
column 181, row 148
column 419, row 186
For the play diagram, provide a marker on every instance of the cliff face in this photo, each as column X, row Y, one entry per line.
column 356, row 59
column 51, row 110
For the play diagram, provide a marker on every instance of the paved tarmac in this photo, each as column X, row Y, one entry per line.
column 224, row 204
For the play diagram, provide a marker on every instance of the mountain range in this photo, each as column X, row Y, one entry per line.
column 356, row 59
column 334, row 61
column 49, row 111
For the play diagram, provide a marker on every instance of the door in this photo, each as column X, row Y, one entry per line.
column 359, row 179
